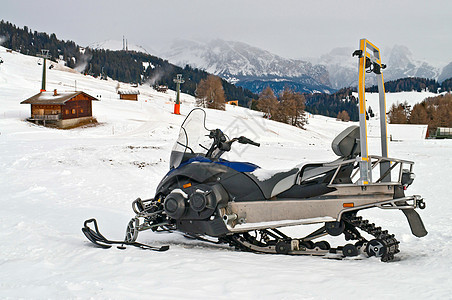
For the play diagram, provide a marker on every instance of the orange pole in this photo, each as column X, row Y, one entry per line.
column 177, row 109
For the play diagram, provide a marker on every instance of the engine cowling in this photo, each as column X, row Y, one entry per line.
column 175, row 205
column 195, row 203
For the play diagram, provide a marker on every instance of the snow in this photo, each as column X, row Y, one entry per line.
column 52, row 180
column 396, row 131
column 263, row 174
column 147, row 65
column 396, row 98
column 405, row 132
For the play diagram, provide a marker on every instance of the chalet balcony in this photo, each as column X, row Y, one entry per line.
column 46, row 117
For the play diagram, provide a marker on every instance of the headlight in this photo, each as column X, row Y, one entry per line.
column 407, row 177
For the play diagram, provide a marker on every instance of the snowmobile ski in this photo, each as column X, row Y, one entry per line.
column 99, row 240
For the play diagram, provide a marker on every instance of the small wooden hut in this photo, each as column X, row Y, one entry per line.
column 62, row 110
column 128, row 95
column 161, row 88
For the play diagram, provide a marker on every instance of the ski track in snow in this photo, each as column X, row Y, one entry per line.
column 52, row 180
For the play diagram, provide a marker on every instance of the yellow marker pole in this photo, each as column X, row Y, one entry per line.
column 369, row 56
column 364, row 159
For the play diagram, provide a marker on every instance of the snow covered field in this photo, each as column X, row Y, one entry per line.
column 52, row 180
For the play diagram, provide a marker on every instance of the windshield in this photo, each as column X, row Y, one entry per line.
column 193, row 138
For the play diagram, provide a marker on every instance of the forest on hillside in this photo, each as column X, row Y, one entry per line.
column 125, row 66
column 142, row 68
column 414, row 84
column 332, row 104
column 434, row 111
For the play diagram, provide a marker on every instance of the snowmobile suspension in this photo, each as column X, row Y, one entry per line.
column 384, row 245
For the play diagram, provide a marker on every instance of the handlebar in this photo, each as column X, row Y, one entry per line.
column 221, row 143
column 244, row 140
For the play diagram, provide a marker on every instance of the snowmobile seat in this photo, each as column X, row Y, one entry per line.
column 346, row 143
column 273, row 182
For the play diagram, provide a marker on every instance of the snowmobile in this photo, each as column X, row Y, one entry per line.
column 238, row 203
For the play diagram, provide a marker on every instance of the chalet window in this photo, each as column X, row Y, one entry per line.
column 73, row 111
column 81, row 110
column 67, row 111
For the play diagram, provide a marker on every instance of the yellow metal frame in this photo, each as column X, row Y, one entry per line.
column 372, row 53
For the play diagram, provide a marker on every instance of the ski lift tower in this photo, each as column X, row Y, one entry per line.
column 370, row 62
column 45, row 55
column 178, row 80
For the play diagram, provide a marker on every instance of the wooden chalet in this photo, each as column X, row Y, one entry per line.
column 62, row 110
column 128, row 95
column 161, row 88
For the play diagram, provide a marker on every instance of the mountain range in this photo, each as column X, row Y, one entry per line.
column 248, row 66
column 342, row 67
column 255, row 68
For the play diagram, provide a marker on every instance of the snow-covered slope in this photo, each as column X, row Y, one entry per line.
column 52, row 180
column 411, row 98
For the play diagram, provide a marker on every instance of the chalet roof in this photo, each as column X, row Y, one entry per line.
column 129, row 92
column 50, row 98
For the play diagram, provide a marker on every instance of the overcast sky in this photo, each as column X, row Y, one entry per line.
column 292, row 29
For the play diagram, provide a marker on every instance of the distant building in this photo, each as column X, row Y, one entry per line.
column 443, row 133
column 62, row 110
column 233, row 102
column 128, row 95
column 161, row 88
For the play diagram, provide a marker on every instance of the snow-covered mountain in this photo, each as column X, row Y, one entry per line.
column 401, row 63
column 255, row 68
column 342, row 67
column 248, row 66
column 446, row 73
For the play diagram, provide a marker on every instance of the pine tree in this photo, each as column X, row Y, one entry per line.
column 419, row 114
column 343, row 116
column 210, row 93
column 299, row 119
column 291, row 108
column 398, row 114
column 267, row 103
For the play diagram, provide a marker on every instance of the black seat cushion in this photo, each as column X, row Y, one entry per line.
column 272, row 183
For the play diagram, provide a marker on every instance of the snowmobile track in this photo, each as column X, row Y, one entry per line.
column 384, row 245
